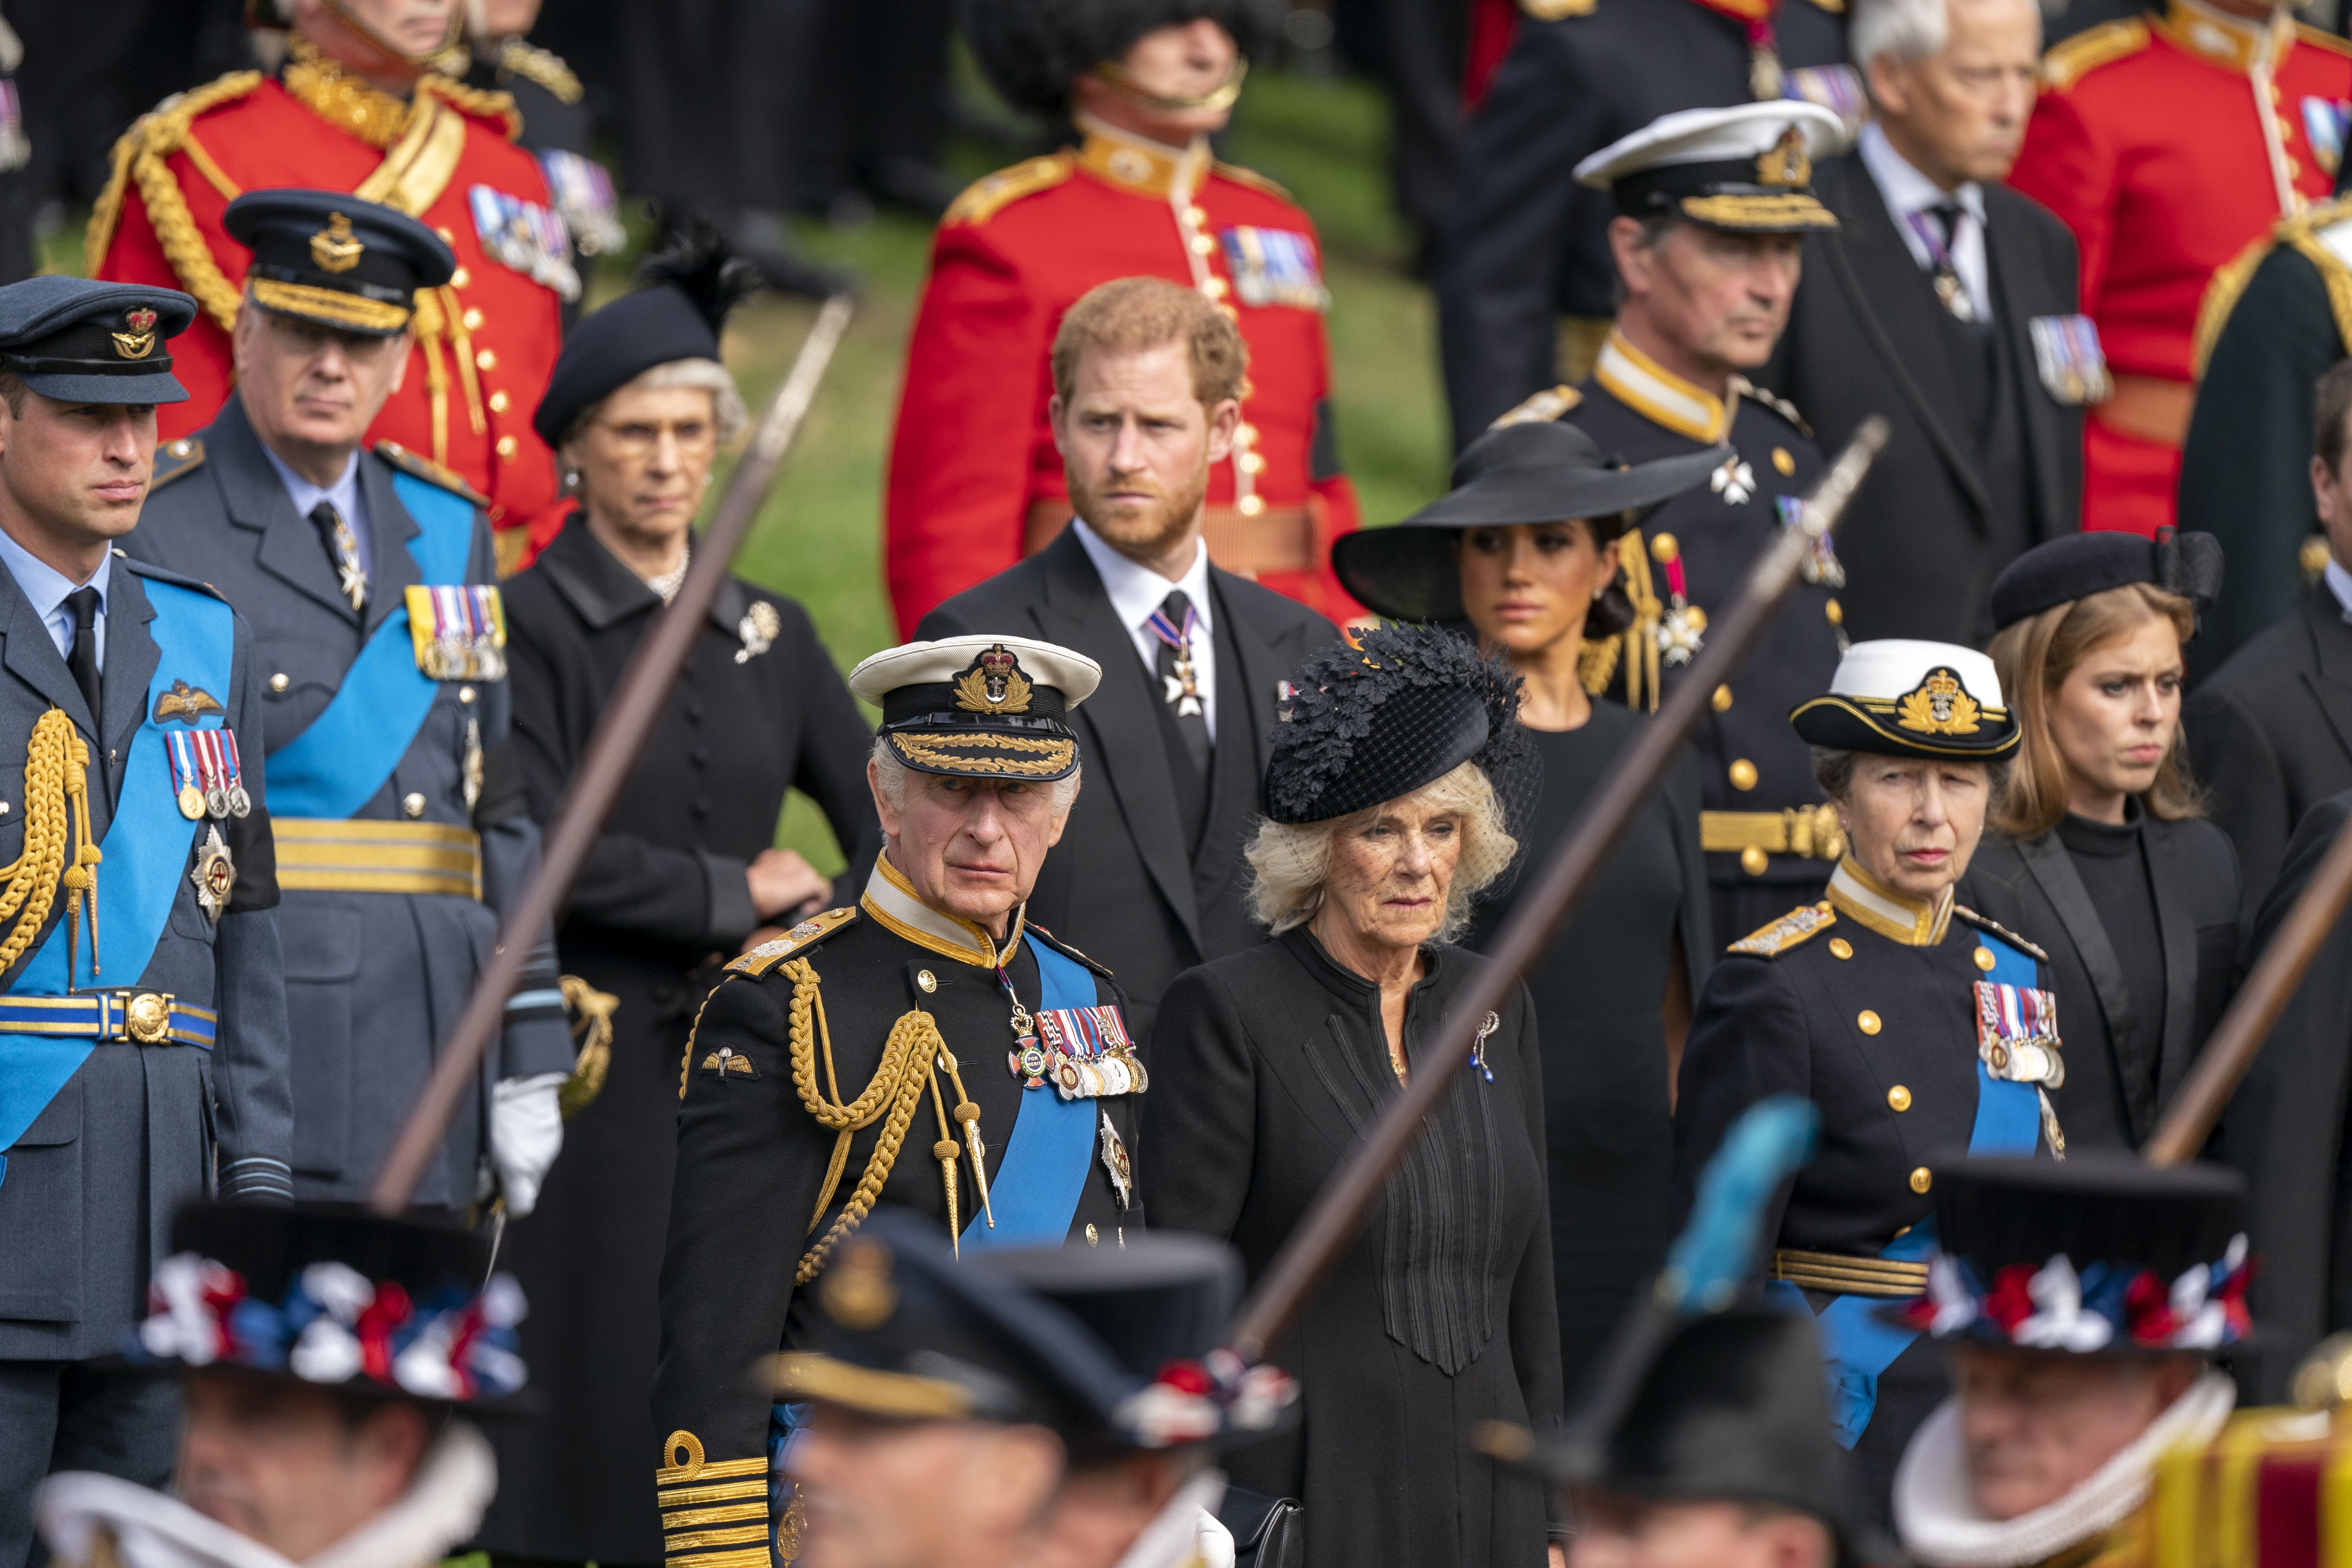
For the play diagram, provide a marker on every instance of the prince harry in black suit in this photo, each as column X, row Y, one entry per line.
column 1148, row 877
column 1946, row 301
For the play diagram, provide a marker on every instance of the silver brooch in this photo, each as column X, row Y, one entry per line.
column 759, row 629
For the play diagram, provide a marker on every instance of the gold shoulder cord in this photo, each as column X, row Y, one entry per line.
column 56, row 787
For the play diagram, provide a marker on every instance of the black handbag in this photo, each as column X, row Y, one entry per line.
column 1268, row 1532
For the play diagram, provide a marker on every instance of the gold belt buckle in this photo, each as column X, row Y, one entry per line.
column 1813, row 832
column 148, row 1017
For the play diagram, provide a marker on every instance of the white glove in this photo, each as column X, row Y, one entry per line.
column 1213, row 1541
column 526, row 1134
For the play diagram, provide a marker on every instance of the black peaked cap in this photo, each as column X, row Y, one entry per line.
column 269, row 1246
column 328, row 257
column 2077, row 565
column 80, row 342
column 1160, row 1297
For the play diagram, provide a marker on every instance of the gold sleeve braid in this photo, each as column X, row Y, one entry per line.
column 140, row 155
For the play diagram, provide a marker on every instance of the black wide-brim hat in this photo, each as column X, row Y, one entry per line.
column 78, row 342
column 330, row 258
column 677, row 312
column 335, row 1297
column 2077, row 565
column 1901, row 697
column 1536, row 472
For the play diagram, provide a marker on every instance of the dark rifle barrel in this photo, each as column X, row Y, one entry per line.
column 1345, row 1200
column 2230, row 1051
column 620, row 735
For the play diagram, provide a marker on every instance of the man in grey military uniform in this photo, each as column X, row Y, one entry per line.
column 369, row 579
column 143, row 1055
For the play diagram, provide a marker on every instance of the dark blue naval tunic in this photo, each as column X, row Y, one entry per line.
column 1868, row 1005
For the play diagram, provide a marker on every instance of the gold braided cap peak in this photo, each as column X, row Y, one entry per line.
column 810, row 931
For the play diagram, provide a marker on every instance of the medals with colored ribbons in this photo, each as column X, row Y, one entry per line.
column 1183, row 692
column 207, row 780
column 460, row 631
column 1087, row 1053
column 1682, row 626
column 2017, row 1034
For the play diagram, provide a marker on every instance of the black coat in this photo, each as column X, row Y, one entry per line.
column 1269, row 1067
column 1924, row 537
column 661, row 899
column 1121, row 881
column 2271, row 734
column 1525, row 241
column 2115, row 1090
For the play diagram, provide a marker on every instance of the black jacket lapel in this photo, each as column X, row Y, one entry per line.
column 287, row 544
column 2331, row 662
column 131, row 659
column 2053, row 872
column 390, row 529
column 34, row 659
column 2015, row 276
column 2178, row 934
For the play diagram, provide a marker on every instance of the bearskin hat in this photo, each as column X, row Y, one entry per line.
column 1031, row 51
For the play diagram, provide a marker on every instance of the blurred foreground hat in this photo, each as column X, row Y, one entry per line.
column 1747, row 168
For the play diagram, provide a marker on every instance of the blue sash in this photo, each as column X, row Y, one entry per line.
column 145, row 856
column 335, row 766
column 1857, row 1343
column 1045, row 1167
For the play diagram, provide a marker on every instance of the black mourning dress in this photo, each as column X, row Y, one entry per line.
column 1597, row 995
column 1268, row 1068
column 661, row 898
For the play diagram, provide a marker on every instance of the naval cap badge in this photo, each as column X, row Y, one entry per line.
column 992, row 683
column 1938, row 705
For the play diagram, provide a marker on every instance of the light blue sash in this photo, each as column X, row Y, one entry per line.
column 1044, row 1168
column 145, row 856
column 1857, row 1343
column 335, row 766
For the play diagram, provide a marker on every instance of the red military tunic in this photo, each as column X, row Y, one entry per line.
column 2148, row 141
column 486, row 344
column 975, row 482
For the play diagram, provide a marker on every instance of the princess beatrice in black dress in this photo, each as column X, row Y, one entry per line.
column 1387, row 794
column 684, row 875
column 1524, row 551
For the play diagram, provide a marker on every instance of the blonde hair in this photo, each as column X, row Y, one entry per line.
column 2033, row 658
column 1131, row 315
column 1291, row 863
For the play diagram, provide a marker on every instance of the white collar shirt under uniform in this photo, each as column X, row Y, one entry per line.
column 1907, row 191
column 46, row 587
column 2340, row 582
column 345, row 493
column 1136, row 591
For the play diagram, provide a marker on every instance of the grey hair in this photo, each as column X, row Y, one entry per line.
column 892, row 774
column 704, row 375
column 1907, row 29
column 1833, row 771
column 1291, row 863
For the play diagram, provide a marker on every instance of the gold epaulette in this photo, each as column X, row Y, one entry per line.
column 176, row 460
column 2069, row 62
column 546, row 69
column 2300, row 233
column 1797, row 927
column 1774, row 401
column 2001, row 930
column 809, row 933
column 987, row 195
column 139, row 155
column 1254, row 180
column 707, row 1503
column 431, row 472
column 488, row 102
column 1540, row 409
column 2306, row 33
column 1556, row 10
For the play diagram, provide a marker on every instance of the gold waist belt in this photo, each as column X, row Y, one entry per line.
column 317, row 856
column 1849, row 1275
column 1807, row 830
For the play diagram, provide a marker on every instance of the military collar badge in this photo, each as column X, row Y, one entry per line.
column 1938, row 705
column 994, row 683
column 334, row 248
column 139, row 340
column 759, row 629
column 214, row 875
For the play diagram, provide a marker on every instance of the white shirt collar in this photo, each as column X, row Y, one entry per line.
column 1136, row 591
column 2340, row 582
column 1906, row 191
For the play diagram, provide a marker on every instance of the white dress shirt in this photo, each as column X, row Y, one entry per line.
column 1136, row 591
column 344, row 492
column 2340, row 582
column 46, row 587
column 1907, row 191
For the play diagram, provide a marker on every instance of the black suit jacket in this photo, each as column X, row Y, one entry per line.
column 1120, row 884
column 2113, row 1095
column 1921, row 544
column 2271, row 734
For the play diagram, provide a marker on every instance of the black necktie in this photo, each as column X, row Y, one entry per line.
column 343, row 552
column 1180, row 686
column 1945, row 218
column 82, row 658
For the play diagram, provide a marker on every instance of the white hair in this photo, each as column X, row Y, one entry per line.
column 1907, row 29
column 1291, row 863
column 891, row 772
column 708, row 375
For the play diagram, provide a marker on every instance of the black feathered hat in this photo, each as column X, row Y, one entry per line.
column 681, row 303
column 1031, row 50
column 1400, row 706
column 2081, row 565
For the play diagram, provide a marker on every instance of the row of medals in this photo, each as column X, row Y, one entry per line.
column 217, row 801
column 1077, row 1076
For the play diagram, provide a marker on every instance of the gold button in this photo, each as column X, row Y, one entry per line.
column 1251, row 505
column 1841, row 948
column 1249, row 389
column 279, row 683
column 1663, row 548
column 1985, row 959
column 412, row 803
column 473, row 319
column 180, row 448
column 1248, row 433
column 1899, row 1098
column 1253, row 462
column 1204, row 246
column 927, row 979
column 1835, row 612
column 1093, row 1235
column 446, row 237
column 1197, row 214
column 465, row 694
column 1754, row 861
column 1214, row 287
column 3, row 808
column 506, row 447
column 1866, row 1021
column 1722, row 698
column 486, row 360
column 1922, row 1179
column 2293, row 167
column 460, row 278
column 1783, row 461
column 1743, row 774
column 498, row 403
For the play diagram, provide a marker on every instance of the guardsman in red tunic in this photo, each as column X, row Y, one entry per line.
column 975, row 480
column 2170, row 143
column 355, row 108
